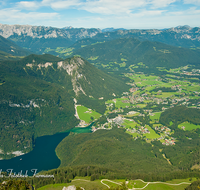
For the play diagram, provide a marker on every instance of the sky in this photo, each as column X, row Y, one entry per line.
column 128, row 14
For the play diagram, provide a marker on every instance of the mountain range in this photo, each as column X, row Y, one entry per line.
column 38, row 38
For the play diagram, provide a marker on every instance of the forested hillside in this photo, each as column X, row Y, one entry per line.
column 10, row 51
column 37, row 93
column 111, row 149
column 144, row 56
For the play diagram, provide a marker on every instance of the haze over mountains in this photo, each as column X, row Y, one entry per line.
column 38, row 38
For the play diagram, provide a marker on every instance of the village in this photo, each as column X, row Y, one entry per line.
column 147, row 98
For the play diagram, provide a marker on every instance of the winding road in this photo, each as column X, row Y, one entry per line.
column 147, row 183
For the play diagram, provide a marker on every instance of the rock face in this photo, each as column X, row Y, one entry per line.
column 46, row 32
column 72, row 68
column 38, row 38
column 72, row 187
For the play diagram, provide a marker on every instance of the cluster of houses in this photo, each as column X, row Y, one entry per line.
column 142, row 130
column 166, row 131
column 163, row 129
column 168, row 142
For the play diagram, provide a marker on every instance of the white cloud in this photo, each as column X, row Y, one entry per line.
column 2, row 2
column 116, row 13
column 16, row 16
column 193, row 2
column 161, row 3
column 64, row 4
column 107, row 6
column 28, row 5
column 148, row 13
column 112, row 6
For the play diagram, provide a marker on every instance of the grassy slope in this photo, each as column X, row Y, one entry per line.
column 86, row 114
column 89, row 185
column 188, row 126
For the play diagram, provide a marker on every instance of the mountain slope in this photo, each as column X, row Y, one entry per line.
column 90, row 85
column 120, row 54
column 38, row 91
column 10, row 50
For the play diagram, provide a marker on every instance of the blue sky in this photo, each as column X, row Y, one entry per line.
column 130, row 14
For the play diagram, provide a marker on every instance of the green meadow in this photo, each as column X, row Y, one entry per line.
column 155, row 117
column 188, row 126
column 129, row 124
column 85, row 114
column 84, row 182
column 152, row 134
column 175, row 184
column 89, row 185
column 141, row 105
column 165, row 95
column 93, row 58
column 120, row 103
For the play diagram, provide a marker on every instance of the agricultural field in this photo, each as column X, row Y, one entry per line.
column 63, row 51
column 87, row 114
column 152, row 134
column 129, row 124
column 188, row 126
column 155, row 116
column 93, row 58
column 121, row 103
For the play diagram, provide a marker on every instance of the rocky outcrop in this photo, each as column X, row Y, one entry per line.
column 46, row 32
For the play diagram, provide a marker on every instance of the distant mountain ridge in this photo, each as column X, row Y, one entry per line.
column 46, row 32
column 183, row 36
column 38, row 38
column 112, row 29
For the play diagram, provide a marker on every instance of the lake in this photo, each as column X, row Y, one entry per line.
column 42, row 157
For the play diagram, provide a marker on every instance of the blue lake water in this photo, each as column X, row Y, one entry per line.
column 42, row 157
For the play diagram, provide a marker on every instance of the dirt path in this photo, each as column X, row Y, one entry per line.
column 147, row 183
column 109, row 181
